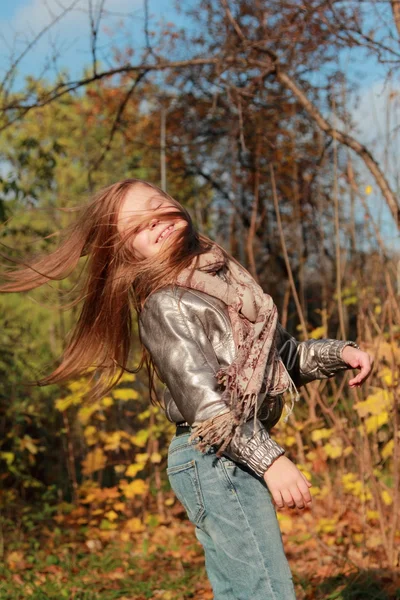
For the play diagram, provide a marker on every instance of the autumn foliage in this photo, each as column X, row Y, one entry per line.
column 234, row 133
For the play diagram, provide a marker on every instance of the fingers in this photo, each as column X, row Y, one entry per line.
column 277, row 496
column 365, row 366
column 288, row 498
column 305, row 492
column 296, row 496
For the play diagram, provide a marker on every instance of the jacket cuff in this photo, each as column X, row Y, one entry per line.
column 256, row 450
column 335, row 355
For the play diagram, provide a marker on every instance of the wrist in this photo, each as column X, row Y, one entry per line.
column 274, row 461
column 347, row 344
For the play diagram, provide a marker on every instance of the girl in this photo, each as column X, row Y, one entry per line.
column 212, row 336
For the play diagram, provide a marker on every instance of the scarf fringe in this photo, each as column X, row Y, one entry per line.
column 219, row 430
column 294, row 396
column 257, row 365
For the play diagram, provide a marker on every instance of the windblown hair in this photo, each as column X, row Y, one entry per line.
column 114, row 283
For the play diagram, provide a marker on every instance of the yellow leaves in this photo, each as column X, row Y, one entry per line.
column 318, row 332
column 28, row 443
column 368, row 190
column 78, row 389
column 285, row 522
column 94, row 461
column 134, row 525
column 155, row 458
column 348, row 480
column 107, row 525
column 375, row 403
column 128, row 378
column 64, row 403
column 120, row 469
column 133, row 470
column 142, row 457
column 388, row 352
column 321, row 434
column 107, row 401
column 135, row 488
column 376, row 421
column 386, row 497
column 89, row 498
column 111, row 515
column 86, row 412
column 354, row 486
column 140, row 439
column 305, row 472
column 125, row 394
column 91, row 435
column 113, row 440
column 8, row 457
column 334, row 448
column 386, row 375
column 388, row 449
column 320, row 492
column 372, row 515
column 290, row 440
column 377, row 406
column 326, row 526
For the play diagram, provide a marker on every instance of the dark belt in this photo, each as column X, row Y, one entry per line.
column 181, row 429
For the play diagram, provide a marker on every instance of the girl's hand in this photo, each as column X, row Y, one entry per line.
column 357, row 359
column 287, row 484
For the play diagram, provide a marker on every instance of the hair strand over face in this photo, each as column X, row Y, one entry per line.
column 113, row 284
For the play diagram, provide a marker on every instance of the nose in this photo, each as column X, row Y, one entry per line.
column 153, row 223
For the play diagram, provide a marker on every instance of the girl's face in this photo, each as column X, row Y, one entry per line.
column 139, row 200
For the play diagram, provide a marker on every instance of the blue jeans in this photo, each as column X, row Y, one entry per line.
column 235, row 522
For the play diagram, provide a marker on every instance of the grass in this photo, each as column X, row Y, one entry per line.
column 163, row 564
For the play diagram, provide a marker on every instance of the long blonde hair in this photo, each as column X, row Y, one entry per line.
column 113, row 282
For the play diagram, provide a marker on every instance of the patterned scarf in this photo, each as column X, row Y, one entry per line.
column 257, row 367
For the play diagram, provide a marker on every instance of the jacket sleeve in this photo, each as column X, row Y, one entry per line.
column 311, row 359
column 186, row 362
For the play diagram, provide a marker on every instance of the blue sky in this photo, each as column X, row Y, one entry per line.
column 21, row 19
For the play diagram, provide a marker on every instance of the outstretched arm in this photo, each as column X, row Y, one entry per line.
column 320, row 359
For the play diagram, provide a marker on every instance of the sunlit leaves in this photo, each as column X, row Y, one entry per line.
column 374, row 422
column 140, row 439
column 380, row 400
column 138, row 487
column 94, row 461
column 387, row 498
column 388, row 450
column 318, row 332
column 8, row 457
column 125, row 394
column 321, row 434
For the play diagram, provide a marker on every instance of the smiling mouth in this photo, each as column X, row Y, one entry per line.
column 165, row 233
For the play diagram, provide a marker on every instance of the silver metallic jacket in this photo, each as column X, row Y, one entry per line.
column 189, row 336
